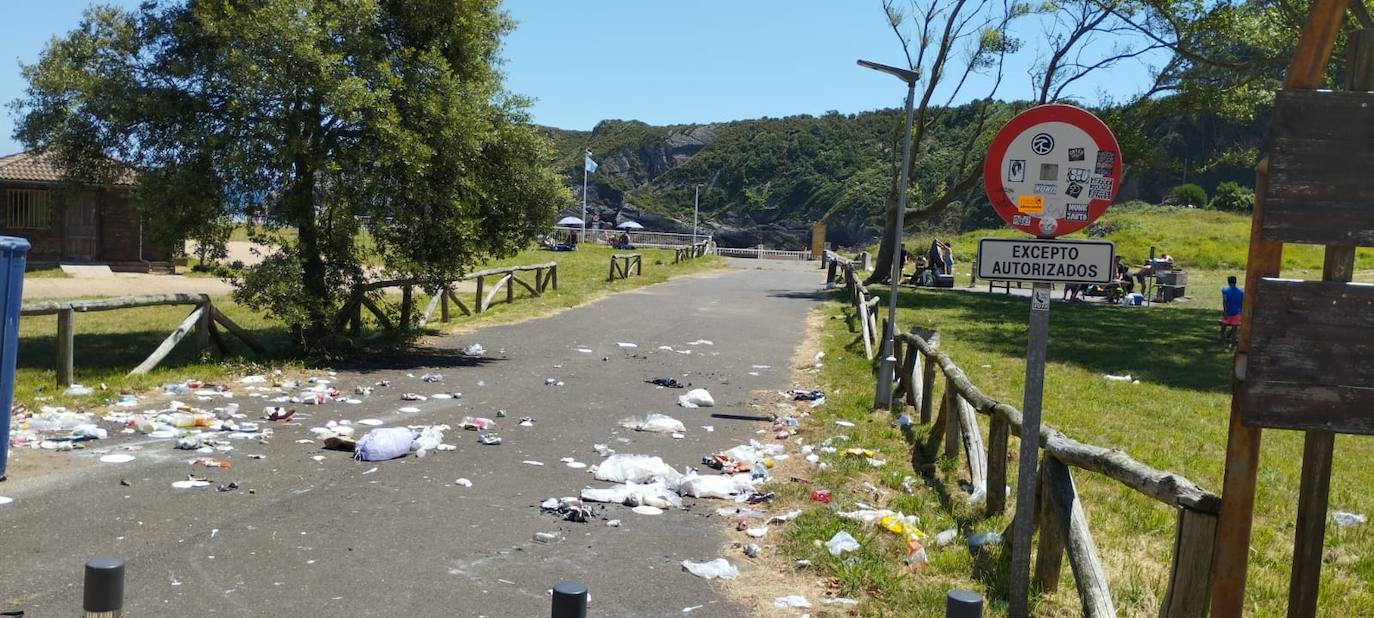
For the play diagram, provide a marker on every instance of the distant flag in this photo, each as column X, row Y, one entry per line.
column 587, row 162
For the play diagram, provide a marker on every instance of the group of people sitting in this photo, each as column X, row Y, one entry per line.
column 549, row 243
column 939, row 260
column 1124, row 280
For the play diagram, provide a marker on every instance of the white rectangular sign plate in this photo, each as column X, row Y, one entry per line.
column 1056, row 261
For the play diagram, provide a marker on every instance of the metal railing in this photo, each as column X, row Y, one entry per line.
column 638, row 238
column 763, row 254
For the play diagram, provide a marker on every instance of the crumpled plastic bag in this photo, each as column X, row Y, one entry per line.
column 635, row 468
column 719, row 567
column 654, row 494
column 696, row 398
column 792, row 600
column 842, row 542
column 431, row 438
column 1343, row 519
column 654, row 423
column 384, row 443
column 714, row 486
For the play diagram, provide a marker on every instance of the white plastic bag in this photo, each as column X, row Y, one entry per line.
column 431, row 438
column 635, row 468
column 696, row 398
column 719, row 567
column 792, row 601
column 842, row 542
column 714, row 486
column 384, row 443
column 654, row 423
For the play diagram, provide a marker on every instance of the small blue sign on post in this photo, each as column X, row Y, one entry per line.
column 13, row 253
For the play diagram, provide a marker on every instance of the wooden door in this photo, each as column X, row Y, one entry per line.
column 80, row 229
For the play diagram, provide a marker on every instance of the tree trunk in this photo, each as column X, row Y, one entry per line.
column 318, row 297
column 882, row 267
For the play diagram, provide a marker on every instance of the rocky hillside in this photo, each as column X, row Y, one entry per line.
column 766, row 181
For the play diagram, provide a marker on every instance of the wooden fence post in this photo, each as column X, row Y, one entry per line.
column 553, row 274
column 928, row 383
column 1088, row 575
column 479, row 293
column 998, row 430
column 406, row 299
column 1049, row 554
column 539, row 280
column 202, row 341
column 66, row 346
column 443, row 303
column 912, row 369
column 639, row 265
column 951, row 413
column 610, row 276
column 973, row 445
column 1187, row 596
column 510, row 288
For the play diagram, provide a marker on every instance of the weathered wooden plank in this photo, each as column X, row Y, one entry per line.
column 407, row 302
column 953, row 426
column 1320, row 163
column 533, row 290
column 1049, row 553
column 510, row 288
column 444, row 294
column 1310, row 534
column 477, row 301
column 553, row 274
column 495, row 289
column 864, row 326
column 998, row 431
column 1089, row 577
column 1166, row 487
column 66, row 346
column 1311, row 357
column 434, row 303
column 202, row 340
column 376, row 311
column 217, row 338
column 111, row 304
column 1191, row 569
column 928, row 378
column 170, row 342
column 458, row 301
column 973, row 446
column 911, row 370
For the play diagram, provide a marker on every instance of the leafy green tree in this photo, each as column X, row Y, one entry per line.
column 1231, row 197
column 1188, row 194
column 332, row 117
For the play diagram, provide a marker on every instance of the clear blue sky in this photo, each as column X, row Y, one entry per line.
column 657, row 61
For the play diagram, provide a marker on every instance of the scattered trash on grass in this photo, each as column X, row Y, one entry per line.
column 792, row 601
column 842, row 542
column 984, row 538
column 654, row 423
column 666, row 383
column 1344, row 519
column 384, row 443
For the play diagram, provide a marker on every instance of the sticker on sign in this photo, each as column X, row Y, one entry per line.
column 1033, row 259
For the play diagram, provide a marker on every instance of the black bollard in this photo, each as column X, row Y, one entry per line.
column 570, row 600
column 103, row 594
column 963, row 604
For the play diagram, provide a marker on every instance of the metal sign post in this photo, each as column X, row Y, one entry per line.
column 1049, row 171
column 1026, row 473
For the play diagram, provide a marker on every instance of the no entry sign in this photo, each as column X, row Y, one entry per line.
column 1052, row 170
column 1033, row 259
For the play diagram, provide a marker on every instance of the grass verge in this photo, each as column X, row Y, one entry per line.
column 1174, row 419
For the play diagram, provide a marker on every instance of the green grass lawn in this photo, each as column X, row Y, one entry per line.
column 110, row 343
column 1174, row 419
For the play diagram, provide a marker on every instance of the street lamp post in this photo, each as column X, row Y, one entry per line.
column 696, row 211
column 888, row 363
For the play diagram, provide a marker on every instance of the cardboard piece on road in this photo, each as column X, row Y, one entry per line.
column 1043, row 260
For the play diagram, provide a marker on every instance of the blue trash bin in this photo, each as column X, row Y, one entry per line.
column 13, row 252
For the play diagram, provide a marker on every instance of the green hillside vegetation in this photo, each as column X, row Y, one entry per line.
column 1198, row 239
column 838, row 168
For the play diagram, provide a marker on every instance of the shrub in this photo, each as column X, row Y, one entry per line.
column 1188, row 195
column 1231, row 197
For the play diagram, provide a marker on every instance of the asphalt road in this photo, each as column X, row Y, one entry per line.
column 334, row 538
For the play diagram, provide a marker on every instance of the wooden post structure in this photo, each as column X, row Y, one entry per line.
column 952, row 425
column 479, row 307
column 406, row 297
column 928, row 383
column 203, row 328
column 998, row 430
column 1193, row 539
column 1049, row 553
column 1231, row 557
column 1072, row 523
column 444, row 293
column 66, row 346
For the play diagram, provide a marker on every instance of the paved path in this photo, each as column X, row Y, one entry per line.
column 332, row 538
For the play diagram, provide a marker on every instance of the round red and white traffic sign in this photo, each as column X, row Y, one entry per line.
column 1052, row 170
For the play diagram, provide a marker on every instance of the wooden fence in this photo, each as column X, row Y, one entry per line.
column 202, row 319
column 1061, row 520
column 623, row 263
column 362, row 297
column 682, row 254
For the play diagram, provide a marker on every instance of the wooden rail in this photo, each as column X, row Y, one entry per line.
column 623, row 263
column 203, row 320
column 1062, row 521
column 682, row 254
column 365, row 296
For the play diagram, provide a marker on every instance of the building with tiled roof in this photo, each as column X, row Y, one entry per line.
column 65, row 223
